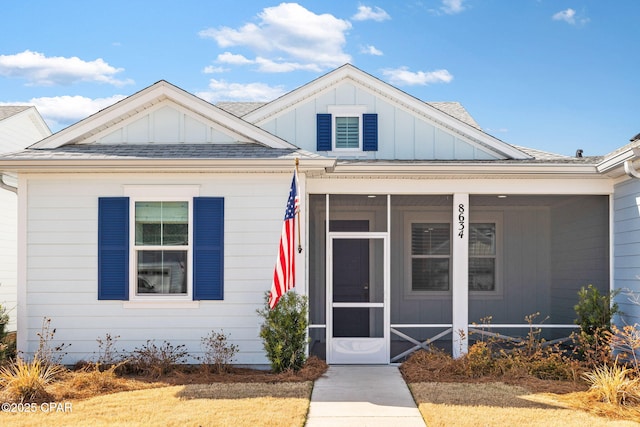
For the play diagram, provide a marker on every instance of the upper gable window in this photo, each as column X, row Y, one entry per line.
column 347, row 128
column 347, row 133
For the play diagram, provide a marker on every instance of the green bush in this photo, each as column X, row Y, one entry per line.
column 595, row 310
column 284, row 332
column 594, row 313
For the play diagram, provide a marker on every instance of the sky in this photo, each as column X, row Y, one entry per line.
column 554, row 75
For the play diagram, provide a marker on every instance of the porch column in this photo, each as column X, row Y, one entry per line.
column 460, row 274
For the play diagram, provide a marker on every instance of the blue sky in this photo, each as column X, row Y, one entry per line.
column 554, row 75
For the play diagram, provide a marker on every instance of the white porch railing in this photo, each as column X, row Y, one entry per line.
column 418, row 344
column 475, row 329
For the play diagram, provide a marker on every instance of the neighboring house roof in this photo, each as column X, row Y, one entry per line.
column 239, row 108
column 10, row 110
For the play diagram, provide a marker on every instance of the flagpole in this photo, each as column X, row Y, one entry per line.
column 298, row 213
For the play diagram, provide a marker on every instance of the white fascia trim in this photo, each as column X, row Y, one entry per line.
column 456, row 168
column 166, row 165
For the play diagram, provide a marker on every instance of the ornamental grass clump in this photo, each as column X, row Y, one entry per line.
column 284, row 332
column 613, row 384
column 27, row 381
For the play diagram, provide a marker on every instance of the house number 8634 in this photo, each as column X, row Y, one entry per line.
column 461, row 220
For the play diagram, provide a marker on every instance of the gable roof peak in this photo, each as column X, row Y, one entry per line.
column 148, row 97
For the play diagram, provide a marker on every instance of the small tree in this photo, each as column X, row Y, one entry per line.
column 595, row 310
column 284, row 332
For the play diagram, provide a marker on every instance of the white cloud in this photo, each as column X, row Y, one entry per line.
column 451, row 7
column 371, row 50
column 62, row 111
column 221, row 90
column 290, row 35
column 403, row 77
column 366, row 13
column 570, row 16
column 234, row 59
column 40, row 70
column 212, row 69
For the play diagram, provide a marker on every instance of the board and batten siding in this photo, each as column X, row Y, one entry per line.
column 626, row 249
column 579, row 252
column 61, row 252
column 402, row 135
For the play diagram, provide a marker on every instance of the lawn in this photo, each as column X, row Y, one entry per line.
column 245, row 397
column 506, row 405
column 218, row 404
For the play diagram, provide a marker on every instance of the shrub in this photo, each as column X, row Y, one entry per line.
column 626, row 343
column 26, row 381
column 284, row 332
column 108, row 355
column 156, row 360
column 218, row 353
column 595, row 310
column 612, row 384
column 48, row 353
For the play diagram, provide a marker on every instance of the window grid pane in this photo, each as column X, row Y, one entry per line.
column 162, row 223
column 162, row 272
column 347, row 132
column 430, row 253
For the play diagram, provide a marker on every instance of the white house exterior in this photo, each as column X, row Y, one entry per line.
column 159, row 218
column 20, row 126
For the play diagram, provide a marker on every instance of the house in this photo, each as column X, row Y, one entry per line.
column 159, row 218
column 20, row 126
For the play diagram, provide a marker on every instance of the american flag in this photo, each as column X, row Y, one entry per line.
column 284, row 275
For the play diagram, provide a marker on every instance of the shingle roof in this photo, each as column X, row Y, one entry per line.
column 9, row 110
column 456, row 110
column 158, row 151
column 239, row 108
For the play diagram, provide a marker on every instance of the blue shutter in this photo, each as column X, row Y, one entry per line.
column 370, row 132
column 323, row 132
column 113, row 248
column 208, row 248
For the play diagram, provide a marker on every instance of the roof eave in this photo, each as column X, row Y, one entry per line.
column 461, row 168
column 614, row 165
column 164, row 165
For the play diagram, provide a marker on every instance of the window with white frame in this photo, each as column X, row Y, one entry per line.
column 161, row 248
column 347, row 125
column 429, row 255
column 161, row 242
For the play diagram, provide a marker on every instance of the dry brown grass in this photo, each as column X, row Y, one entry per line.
column 187, row 405
column 185, row 397
column 449, row 393
column 498, row 404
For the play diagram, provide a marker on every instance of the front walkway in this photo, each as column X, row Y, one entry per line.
column 362, row 396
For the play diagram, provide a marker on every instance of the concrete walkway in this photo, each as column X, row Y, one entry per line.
column 357, row 396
